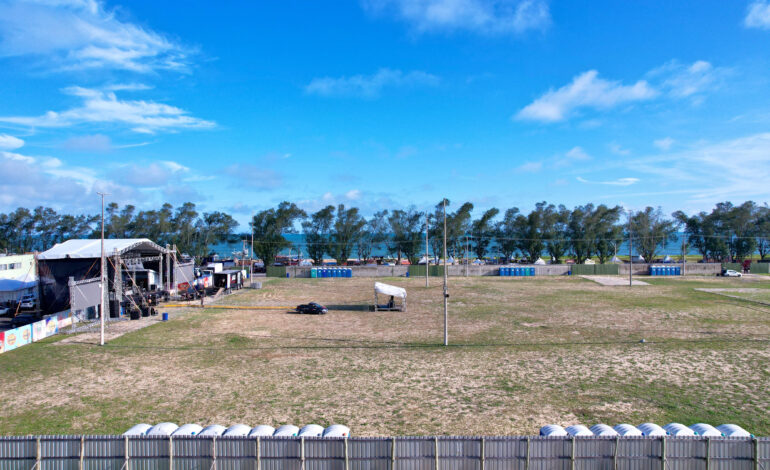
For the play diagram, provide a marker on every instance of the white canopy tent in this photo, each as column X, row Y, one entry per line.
column 616, row 260
column 394, row 293
column 539, row 262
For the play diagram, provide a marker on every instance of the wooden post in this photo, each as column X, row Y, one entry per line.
column 259, row 451
column 82, row 451
column 170, row 453
column 708, row 453
column 347, row 463
column 527, row 467
column 214, row 452
column 435, row 451
column 126, row 457
column 37, row 454
column 663, row 453
column 392, row 453
column 483, row 453
column 756, row 453
column 572, row 455
column 615, row 456
column 302, row 453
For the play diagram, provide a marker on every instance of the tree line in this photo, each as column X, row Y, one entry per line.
column 728, row 232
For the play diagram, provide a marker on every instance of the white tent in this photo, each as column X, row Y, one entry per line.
column 392, row 291
column 589, row 261
column 668, row 259
column 615, row 259
column 91, row 248
column 539, row 262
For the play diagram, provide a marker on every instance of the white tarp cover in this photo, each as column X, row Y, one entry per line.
column 189, row 429
column 263, row 430
column 589, row 261
column 615, row 259
column 387, row 289
column 237, row 430
column 539, row 262
column 627, row 430
column 93, row 248
column 552, row 430
column 337, row 430
column 603, row 430
column 286, row 430
column 311, row 430
column 667, row 259
column 678, row 429
column 162, row 429
column 213, row 430
column 706, row 430
column 138, row 430
column 733, row 430
column 578, row 430
column 651, row 429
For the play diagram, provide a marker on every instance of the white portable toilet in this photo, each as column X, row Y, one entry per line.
column 287, row 430
column 578, row 430
column 237, row 430
column 162, row 429
column 603, row 430
column 213, row 430
column 138, row 430
column 552, row 430
column 652, row 429
column 679, row 430
column 337, row 430
column 262, row 430
column 733, row 430
column 311, row 430
column 706, row 430
column 188, row 430
column 628, row 430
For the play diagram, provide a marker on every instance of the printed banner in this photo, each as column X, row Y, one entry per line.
column 65, row 319
column 2, row 342
column 23, row 335
column 11, row 339
column 38, row 330
column 51, row 326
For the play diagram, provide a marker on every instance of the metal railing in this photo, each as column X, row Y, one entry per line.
column 386, row 453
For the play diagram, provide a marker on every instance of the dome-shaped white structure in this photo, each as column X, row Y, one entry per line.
column 628, row 430
column 213, row 430
column 262, row 430
column 706, row 430
column 603, row 430
column 337, row 430
column 237, row 430
column 552, row 430
column 287, row 430
column 733, row 430
column 652, row 429
column 138, row 430
column 188, row 430
column 311, row 430
column 679, row 430
column 162, row 429
column 578, row 430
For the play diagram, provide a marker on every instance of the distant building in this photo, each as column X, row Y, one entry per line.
column 18, row 276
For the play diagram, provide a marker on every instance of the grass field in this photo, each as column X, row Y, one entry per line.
column 524, row 353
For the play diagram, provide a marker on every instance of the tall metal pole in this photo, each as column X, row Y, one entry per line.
column 103, row 279
column 466, row 256
column 427, row 261
column 446, row 293
column 630, row 254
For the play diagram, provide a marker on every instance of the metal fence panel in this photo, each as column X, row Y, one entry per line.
column 459, row 453
column 281, row 454
column 149, row 453
column 640, row 453
column 594, row 453
column 236, row 453
column 686, row 453
column 103, row 452
column 548, row 453
column 324, row 454
column 373, row 453
column 763, row 452
column 17, row 453
column 730, row 453
column 504, row 453
column 416, row 453
column 193, row 453
column 60, row 453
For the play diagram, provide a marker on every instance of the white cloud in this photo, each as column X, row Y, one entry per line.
column 9, row 142
column 529, row 167
column 254, row 177
column 577, row 153
column 684, row 81
column 664, row 143
column 617, row 182
column 758, row 15
column 617, row 149
column 104, row 107
column 369, row 86
column 586, row 90
column 76, row 35
column 489, row 17
column 89, row 143
column 353, row 194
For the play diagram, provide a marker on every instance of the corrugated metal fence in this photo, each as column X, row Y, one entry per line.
column 399, row 453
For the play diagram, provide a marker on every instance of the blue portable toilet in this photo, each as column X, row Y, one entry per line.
column 669, row 270
column 653, row 270
column 678, row 270
column 350, row 272
column 313, row 272
column 337, row 272
column 324, row 272
column 517, row 272
column 531, row 271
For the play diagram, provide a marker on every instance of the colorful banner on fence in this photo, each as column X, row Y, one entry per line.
column 2, row 342
column 24, row 335
column 38, row 330
column 65, row 320
column 51, row 326
column 11, row 339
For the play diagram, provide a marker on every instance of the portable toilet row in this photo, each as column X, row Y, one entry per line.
column 646, row 429
column 330, row 272
column 286, row 430
column 665, row 270
column 517, row 271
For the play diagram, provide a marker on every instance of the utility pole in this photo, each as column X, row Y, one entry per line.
column 103, row 278
column 446, row 292
column 427, row 261
column 467, row 260
column 683, row 255
column 630, row 254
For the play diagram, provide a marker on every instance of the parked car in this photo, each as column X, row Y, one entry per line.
column 23, row 319
column 27, row 302
column 731, row 273
column 4, row 310
column 312, row 308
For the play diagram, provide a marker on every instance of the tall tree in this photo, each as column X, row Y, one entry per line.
column 269, row 228
column 373, row 235
column 505, row 234
column 346, row 232
column 555, row 232
column 317, row 230
column 530, row 231
column 482, row 230
column 606, row 231
column 406, row 227
column 651, row 231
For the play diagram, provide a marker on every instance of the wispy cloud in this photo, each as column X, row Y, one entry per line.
column 758, row 15
column 100, row 106
column 664, row 143
column 369, row 86
column 9, row 142
column 617, row 182
column 529, row 167
column 618, row 149
column 83, row 34
column 586, row 90
column 254, row 177
column 488, row 17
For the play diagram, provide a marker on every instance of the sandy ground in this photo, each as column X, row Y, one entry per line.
column 523, row 353
column 614, row 281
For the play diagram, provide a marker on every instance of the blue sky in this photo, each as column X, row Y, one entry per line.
column 237, row 106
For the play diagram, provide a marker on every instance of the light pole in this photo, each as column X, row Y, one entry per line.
column 630, row 253
column 103, row 278
column 446, row 292
column 427, row 263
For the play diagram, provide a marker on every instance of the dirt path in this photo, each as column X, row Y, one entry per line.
column 614, row 281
